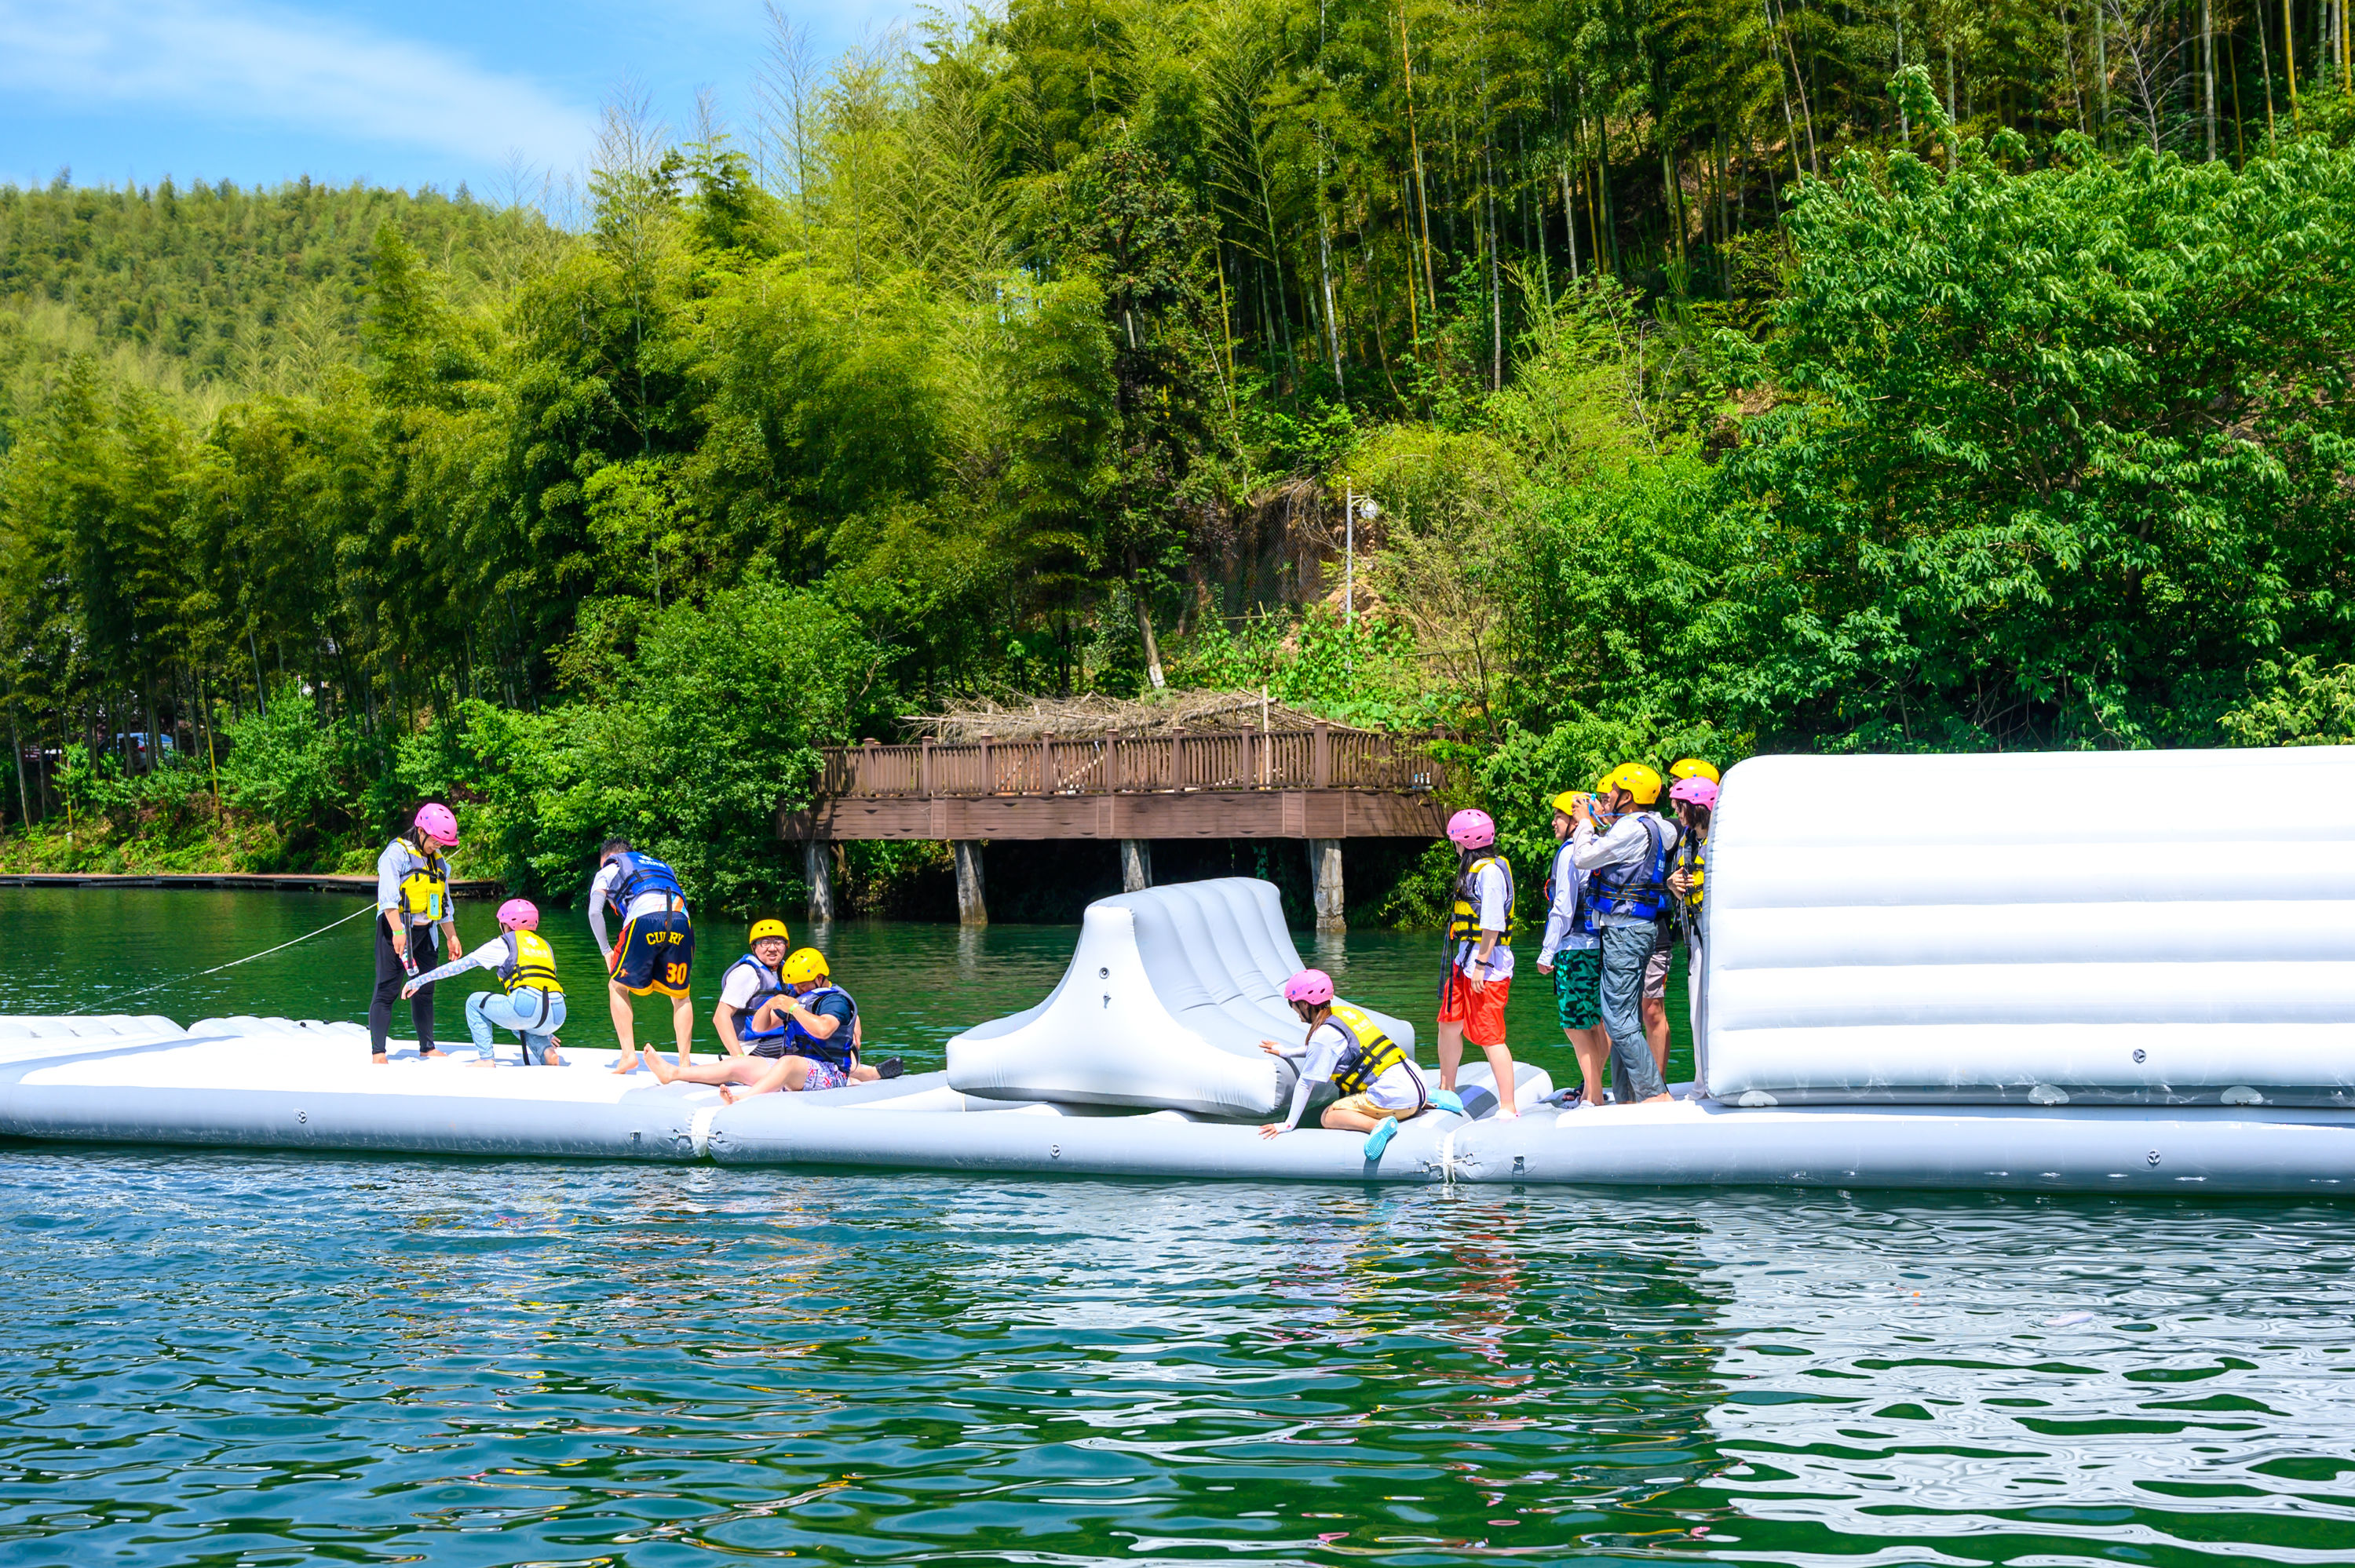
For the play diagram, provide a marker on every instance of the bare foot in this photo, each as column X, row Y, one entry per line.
column 664, row 1071
column 727, row 1094
column 628, row 1064
column 549, row 1058
column 380, row 1061
column 431, row 1055
column 1508, row 1112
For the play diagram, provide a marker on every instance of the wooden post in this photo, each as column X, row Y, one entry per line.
column 924, row 769
column 1320, row 751
column 817, row 866
column 1325, row 882
column 971, row 909
column 1135, row 864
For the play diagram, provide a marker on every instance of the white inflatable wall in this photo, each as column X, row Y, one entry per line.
column 1167, row 997
column 2149, row 927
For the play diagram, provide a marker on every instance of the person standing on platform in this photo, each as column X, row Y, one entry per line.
column 1572, row 954
column 1628, row 892
column 656, row 950
column 1695, row 800
column 1480, row 957
column 412, row 901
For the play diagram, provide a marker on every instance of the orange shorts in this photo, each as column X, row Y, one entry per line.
column 1482, row 1011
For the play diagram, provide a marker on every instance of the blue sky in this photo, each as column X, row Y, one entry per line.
column 431, row 93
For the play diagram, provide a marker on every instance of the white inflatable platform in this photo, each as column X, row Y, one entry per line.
column 2028, row 972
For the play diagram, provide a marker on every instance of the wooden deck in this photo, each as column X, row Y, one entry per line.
column 1323, row 783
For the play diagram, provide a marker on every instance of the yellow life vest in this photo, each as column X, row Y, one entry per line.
column 1692, row 858
column 425, row 885
column 1463, row 921
column 1371, row 1054
column 533, row 966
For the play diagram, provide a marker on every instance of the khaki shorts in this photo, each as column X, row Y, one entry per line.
column 1655, row 975
column 1364, row 1105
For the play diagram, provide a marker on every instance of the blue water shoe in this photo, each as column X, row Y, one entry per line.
column 1379, row 1138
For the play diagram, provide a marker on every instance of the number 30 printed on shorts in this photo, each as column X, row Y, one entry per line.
column 675, row 974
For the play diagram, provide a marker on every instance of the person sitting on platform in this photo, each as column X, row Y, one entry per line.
column 749, row 982
column 1378, row 1083
column 803, row 1040
column 532, row 1004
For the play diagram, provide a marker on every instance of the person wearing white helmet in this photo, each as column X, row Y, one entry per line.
column 412, row 901
column 1480, row 978
column 1627, row 895
column 531, row 1002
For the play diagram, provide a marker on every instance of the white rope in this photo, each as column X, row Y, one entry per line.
column 363, row 909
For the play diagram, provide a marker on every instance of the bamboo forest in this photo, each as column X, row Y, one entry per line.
column 1572, row 379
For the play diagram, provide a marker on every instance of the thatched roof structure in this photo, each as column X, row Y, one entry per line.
column 1094, row 716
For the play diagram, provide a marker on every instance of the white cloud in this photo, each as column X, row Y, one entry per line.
column 252, row 63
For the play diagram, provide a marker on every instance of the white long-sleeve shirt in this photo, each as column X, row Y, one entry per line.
column 1398, row 1088
column 1561, row 932
column 1627, row 841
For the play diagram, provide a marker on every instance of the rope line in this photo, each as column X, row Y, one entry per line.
column 182, row 979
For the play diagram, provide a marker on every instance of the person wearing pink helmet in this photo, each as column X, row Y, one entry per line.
column 412, row 901
column 532, row 1003
column 1480, row 978
column 1378, row 1083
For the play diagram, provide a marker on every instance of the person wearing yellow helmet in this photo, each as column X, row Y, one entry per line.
column 750, row 981
column 1572, row 954
column 1629, row 865
column 1686, row 768
column 804, row 1038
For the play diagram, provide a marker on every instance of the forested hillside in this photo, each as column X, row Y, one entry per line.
column 1725, row 377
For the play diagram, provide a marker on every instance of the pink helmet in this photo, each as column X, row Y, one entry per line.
column 436, row 822
column 519, row 913
column 1314, row 987
column 1472, row 830
column 1698, row 790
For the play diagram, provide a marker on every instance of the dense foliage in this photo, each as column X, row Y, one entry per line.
column 1718, row 391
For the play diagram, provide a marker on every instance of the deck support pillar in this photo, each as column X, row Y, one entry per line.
column 1135, row 864
column 817, row 869
column 1325, row 882
column 971, row 910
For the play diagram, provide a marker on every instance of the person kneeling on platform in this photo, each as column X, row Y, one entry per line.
column 532, row 1004
column 803, row 1040
column 1379, row 1085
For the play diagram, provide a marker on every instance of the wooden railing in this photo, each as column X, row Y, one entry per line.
column 1319, row 759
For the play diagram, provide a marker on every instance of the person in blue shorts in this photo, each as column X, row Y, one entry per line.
column 655, row 952
column 805, row 1039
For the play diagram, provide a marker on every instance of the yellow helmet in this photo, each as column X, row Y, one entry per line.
column 1693, row 767
column 1567, row 801
column 807, row 964
column 763, row 928
column 1637, row 780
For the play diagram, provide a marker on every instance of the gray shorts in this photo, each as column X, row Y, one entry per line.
column 1655, row 974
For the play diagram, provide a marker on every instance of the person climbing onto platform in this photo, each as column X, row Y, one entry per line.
column 412, row 902
column 1479, row 976
column 1378, row 1083
column 750, row 981
column 805, row 1039
column 1573, row 954
column 532, row 1003
column 656, row 950
column 1628, row 892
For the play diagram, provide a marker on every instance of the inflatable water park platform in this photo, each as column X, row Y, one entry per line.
column 2107, row 972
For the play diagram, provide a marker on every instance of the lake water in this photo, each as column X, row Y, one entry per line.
column 228, row 1358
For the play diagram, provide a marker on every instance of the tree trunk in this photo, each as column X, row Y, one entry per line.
column 23, row 792
column 1145, row 630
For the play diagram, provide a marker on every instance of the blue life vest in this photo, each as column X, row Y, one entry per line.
column 641, row 873
column 766, row 984
column 1581, row 914
column 836, row 1049
column 1638, row 887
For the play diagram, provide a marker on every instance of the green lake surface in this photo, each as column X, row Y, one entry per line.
column 232, row 1358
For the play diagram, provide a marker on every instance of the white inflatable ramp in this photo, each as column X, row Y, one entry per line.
column 274, row 1083
column 1164, row 1006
